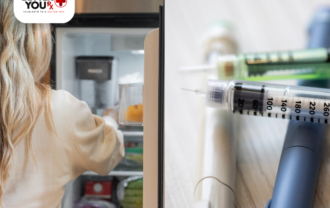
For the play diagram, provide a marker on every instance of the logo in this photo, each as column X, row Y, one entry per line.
column 61, row 3
column 44, row 11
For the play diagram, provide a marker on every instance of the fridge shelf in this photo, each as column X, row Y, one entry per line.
column 118, row 173
column 132, row 133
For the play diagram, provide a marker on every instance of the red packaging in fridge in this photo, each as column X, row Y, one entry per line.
column 98, row 189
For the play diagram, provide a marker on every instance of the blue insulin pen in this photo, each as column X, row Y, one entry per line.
column 302, row 150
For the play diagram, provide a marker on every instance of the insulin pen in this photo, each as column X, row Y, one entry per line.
column 269, row 100
column 216, row 152
column 300, row 162
column 296, row 64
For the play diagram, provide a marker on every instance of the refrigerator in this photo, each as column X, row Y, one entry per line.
column 92, row 54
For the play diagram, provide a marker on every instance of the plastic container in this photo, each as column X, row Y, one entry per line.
column 133, row 159
column 97, row 81
column 130, row 192
column 131, row 104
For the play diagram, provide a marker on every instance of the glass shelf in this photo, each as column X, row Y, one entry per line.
column 118, row 173
column 133, row 133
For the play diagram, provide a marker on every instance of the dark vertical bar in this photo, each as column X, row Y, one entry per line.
column 261, row 99
column 161, row 95
column 53, row 59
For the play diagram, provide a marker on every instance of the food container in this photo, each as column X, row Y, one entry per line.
column 97, row 81
column 131, row 104
column 133, row 159
column 130, row 192
column 98, row 189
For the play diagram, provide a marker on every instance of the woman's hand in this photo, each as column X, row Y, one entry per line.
column 112, row 112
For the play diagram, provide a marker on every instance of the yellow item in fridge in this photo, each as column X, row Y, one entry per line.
column 134, row 113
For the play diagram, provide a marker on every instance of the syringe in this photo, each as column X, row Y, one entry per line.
column 271, row 100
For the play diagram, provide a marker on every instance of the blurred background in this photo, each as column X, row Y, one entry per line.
column 258, row 26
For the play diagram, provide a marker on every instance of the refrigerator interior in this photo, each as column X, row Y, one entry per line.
column 126, row 46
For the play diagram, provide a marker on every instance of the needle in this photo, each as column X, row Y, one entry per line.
column 199, row 92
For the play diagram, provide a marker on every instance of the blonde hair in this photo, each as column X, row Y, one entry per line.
column 25, row 52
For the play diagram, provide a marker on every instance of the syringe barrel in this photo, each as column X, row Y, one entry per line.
column 271, row 100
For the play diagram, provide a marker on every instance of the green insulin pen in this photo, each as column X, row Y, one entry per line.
column 295, row 64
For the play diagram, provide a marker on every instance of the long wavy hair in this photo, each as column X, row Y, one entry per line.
column 25, row 52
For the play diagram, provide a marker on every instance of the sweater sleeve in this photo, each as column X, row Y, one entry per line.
column 97, row 145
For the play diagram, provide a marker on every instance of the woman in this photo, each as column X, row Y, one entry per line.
column 47, row 138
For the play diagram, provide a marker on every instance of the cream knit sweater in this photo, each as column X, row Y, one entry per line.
column 86, row 142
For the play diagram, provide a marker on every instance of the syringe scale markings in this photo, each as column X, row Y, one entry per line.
column 279, row 101
column 283, row 116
